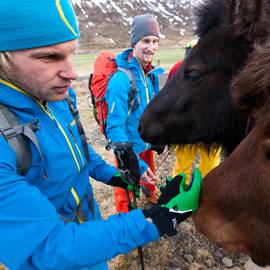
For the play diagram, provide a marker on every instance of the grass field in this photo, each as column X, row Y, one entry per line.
column 165, row 56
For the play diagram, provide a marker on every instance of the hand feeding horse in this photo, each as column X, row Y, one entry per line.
column 195, row 106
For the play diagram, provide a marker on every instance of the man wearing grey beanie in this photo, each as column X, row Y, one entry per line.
column 124, row 114
column 49, row 218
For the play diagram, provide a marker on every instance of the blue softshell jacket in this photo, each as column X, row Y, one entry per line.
column 38, row 224
column 123, row 112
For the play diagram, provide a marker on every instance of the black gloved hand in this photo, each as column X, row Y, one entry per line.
column 165, row 220
column 118, row 180
column 158, row 148
column 170, row 190
column 177, row 202
column 128, row 162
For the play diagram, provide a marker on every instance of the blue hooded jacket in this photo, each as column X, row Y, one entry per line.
column 124, row 114
column 39, row 228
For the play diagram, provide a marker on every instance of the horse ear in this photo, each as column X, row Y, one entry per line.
column 250, row 20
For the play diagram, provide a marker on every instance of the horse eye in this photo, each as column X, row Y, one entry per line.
column 193, row 75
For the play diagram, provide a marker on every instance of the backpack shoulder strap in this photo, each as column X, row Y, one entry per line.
column 133, row 90
column 93, row 99
column 130, row 75
column 75, row 114
column 18, row 136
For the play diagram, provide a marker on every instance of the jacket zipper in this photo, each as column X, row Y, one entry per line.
column 49, row 113
column 76, row 145
column 73, row 191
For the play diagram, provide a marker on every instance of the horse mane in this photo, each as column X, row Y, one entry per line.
column 210, row 15
column 250, row 89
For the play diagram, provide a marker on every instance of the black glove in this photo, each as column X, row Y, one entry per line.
column 118, row 180
column 177, row 202
column 158, row 148
column 128, row 162
column 170, row 190
column 165, row 220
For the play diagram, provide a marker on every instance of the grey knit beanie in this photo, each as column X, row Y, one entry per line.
column 142, row 26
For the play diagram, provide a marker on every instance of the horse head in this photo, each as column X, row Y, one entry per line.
column 195, row 104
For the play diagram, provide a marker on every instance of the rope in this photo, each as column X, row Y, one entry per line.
column 164, row 156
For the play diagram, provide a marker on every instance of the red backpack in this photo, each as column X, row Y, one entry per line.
column 104, row 67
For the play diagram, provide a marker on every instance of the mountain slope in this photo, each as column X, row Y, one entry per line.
column 107, row 23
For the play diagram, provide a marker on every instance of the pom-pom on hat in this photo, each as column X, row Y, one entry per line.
column 142, row 26
column 26, row 24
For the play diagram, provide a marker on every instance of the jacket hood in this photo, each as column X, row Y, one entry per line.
column 123, row 60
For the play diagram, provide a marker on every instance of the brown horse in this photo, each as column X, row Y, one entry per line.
column 234, row 209
column 195, row 104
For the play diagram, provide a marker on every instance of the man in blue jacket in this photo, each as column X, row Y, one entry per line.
column 126, row 105
column 48, row 217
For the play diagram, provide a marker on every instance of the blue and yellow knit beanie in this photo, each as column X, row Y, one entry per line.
column 26, row 24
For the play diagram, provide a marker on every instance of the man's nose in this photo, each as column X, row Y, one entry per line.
column 152, row 46
column 68, row 71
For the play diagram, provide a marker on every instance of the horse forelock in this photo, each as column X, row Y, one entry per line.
column 211, row 15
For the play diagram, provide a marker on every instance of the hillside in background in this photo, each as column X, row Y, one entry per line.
column 106, row 23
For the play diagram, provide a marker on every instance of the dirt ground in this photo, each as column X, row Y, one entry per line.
column 187, row 250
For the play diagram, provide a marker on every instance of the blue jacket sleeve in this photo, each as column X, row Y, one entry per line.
column 117, row 99
column 41, row 238
column 93, row 242
column 98, row 168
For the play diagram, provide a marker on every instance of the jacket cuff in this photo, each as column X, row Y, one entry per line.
column 148, row 230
